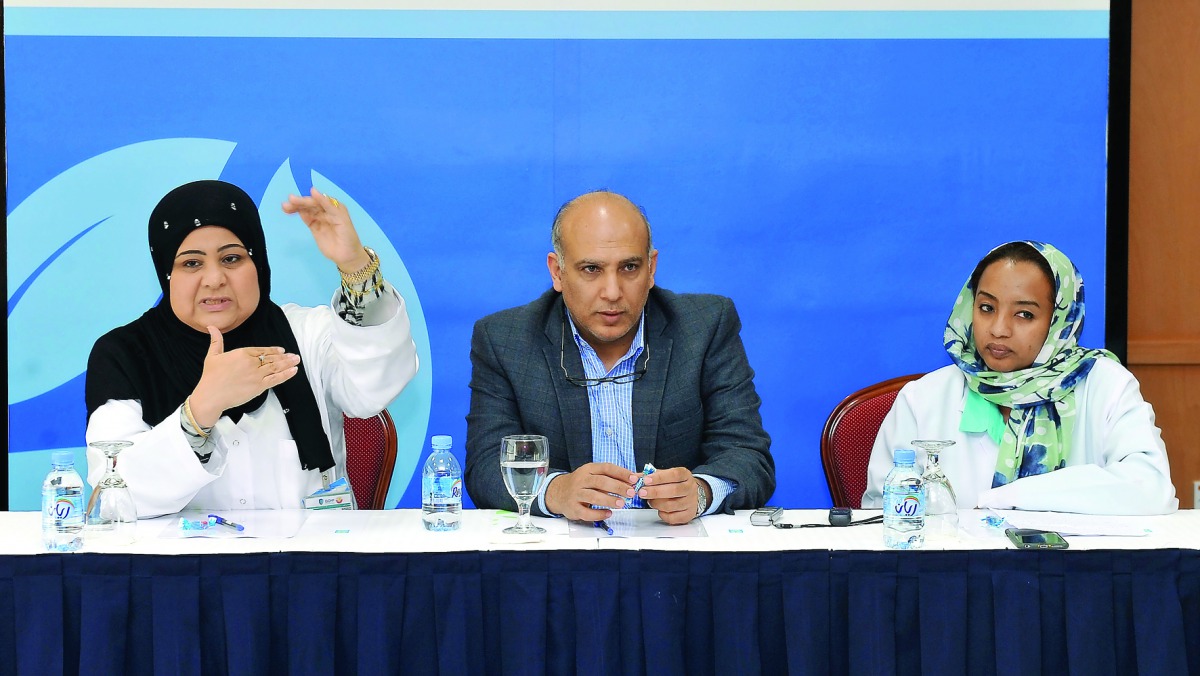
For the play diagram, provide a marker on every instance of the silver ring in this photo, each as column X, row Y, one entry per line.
column 262, row 360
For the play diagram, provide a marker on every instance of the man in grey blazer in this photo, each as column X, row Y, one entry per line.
column 616, row 374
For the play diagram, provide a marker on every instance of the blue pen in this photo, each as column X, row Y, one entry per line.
column 225, row 522
column 646, row 471
column 601, row 524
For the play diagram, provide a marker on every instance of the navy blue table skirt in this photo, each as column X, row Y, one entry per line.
column 576, row 612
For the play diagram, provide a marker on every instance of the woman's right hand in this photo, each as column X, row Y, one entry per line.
column 235, row 377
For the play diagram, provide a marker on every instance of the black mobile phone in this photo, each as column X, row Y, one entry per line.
column 1031, row 538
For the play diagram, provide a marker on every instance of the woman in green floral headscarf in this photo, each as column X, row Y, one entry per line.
column 1038, row 421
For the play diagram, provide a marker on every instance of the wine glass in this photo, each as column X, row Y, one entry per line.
column 111, row 512
column 523, row 462
column 941, row 505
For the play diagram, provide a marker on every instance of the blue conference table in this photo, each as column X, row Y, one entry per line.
column 373, row 593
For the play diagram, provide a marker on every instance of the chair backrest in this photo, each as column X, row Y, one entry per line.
column 849, row 436
column 370, row 457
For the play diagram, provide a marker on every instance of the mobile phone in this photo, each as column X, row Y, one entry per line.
column 1030, row 538
column 766, row 516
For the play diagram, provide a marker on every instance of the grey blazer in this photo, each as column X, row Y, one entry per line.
column 696, row 407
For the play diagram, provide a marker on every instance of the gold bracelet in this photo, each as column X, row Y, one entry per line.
column 365, row 273
column 187, row 410
column 359, row 295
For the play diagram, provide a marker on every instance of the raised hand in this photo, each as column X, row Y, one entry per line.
column 233, row 378
column 329, row 222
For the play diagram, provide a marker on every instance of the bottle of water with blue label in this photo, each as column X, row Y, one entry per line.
column 441, row 487
column 62, row 505
column 904, row 503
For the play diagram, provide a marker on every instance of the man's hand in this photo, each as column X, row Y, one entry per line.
column 602, row 484
column 673, row 492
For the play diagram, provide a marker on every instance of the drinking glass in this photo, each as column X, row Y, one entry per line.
column 524, row 459
column 111, row 512
column 941, row 505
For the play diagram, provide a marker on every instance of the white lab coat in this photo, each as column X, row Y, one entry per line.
column 358, row 370
column 1117, row 463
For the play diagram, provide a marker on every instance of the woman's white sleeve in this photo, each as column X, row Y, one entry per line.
column 899, row 424
column 160, row 468
column 360, row 368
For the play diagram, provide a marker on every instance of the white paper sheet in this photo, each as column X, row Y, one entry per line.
column 1079, row 525
column 259, row 523
column 638, row 523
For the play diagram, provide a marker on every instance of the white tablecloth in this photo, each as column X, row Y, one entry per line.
column 402, row 531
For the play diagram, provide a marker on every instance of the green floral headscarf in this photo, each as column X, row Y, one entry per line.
column 1041, row 396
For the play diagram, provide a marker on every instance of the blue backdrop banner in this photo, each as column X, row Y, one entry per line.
column 837, row 174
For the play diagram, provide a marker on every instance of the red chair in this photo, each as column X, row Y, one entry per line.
column 849, row 435
column 370, row 457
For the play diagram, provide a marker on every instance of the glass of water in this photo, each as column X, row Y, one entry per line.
column 523, row 462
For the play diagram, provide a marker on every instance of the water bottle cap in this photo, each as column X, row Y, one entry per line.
column 442, row 441
column 905, row 456
column 63, row 457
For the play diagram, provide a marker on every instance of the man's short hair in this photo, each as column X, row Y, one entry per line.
column 556, row 229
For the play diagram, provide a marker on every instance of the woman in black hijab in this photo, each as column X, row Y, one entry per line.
column 232, row 401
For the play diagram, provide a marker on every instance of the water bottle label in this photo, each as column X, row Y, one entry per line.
column 443, row 489
column 903, row 504
column 64, row 508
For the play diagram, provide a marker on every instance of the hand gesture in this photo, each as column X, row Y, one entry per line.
column 673, row 492
column 329, row 222
column 234, row 378
column 597, row 483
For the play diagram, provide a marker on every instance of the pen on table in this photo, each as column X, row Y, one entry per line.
column 601, row 524
column 225, row 522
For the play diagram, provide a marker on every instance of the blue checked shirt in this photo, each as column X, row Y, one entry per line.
column 612, row 416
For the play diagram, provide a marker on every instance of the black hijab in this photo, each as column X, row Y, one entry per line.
column 158, row 360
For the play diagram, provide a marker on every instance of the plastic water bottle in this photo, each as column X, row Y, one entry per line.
column 904, row 504
column 62, row 505
column 441, row 487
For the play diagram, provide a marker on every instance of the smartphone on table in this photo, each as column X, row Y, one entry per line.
column 1031, row 538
